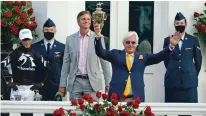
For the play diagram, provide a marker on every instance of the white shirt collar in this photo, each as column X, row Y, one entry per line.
column 183, row 36
column 46, row 42
column 131, row 54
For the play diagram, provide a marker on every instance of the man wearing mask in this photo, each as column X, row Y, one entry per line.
column 53, row 51
column 24, row 63
column 183, row 66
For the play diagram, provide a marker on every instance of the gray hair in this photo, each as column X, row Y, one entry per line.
column 128, row 34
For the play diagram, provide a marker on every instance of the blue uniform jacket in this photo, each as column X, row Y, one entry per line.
column 183, row 66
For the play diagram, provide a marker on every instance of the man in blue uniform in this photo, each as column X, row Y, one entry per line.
column 53, row 51
column 183, row 66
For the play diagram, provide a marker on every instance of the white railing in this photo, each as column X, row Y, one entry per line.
column 39, row 108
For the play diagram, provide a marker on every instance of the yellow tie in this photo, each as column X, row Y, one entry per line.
column 128, row 85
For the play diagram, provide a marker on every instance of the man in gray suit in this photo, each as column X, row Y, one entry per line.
column 82, row 69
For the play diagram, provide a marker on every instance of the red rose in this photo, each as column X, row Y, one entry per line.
column 148, row 111
column 90, row 99
column 14, row 31
column 2, row 22
column 119, row 108
column 17, row 10
column 72, row 114
column 86, row 96
column 114, row 96
column 114, row 113
column 30, row 10
column 32, row 18
column 129, row 103
column 98, row 94
column 124, row 113
column 81, row 101
column 196, row 14
column 9, row 3
column 114, row 102
column 134, row 115
column 200, row 26
column 18, row 21
column 123, row 97
column 8, row 14
column 109, row 109
column 135, row 105
column 205, row 30
column 23, row 3
column 104, row 96
column 17, row 3
column 97, row 107
column 82, row 107
column 27, row 24
column 34, row 25
column 58, row 112
column 138, row 100
column 12, row 26
column 23, row 16
column 74, row 102
column 108, row 113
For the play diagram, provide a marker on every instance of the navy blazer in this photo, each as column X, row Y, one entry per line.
column 55, row 59
column 183, row 66
column 120, row 72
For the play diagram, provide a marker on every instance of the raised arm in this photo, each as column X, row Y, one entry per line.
column 102, row 52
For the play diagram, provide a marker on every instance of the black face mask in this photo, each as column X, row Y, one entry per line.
column 180, row 28
column 48, row 35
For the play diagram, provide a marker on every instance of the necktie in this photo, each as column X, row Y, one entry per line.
column 48, row 48
column 180, row 44
column 48, row 51
column 128, row 85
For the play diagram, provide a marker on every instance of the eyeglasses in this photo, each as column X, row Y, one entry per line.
column 130, row 42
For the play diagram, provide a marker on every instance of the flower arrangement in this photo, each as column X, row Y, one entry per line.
column 200, row 26
column 114, row 108
column 16, row 15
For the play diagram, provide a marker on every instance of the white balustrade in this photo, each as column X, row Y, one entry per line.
column 39, row 108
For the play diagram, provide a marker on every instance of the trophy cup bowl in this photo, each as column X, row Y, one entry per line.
column 99, row 16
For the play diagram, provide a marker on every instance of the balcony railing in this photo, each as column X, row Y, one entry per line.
column 39, row 108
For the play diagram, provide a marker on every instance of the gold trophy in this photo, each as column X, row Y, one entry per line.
column 99, row 16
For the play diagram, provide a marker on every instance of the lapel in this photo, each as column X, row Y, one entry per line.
column 136, row 58
column 91, row 43
column 123, row 59
column 43, row 49
column 76, row 42
column 184, row 42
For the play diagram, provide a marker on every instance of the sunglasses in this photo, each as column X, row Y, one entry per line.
column 130, row 42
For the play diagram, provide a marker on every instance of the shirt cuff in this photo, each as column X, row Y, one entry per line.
column 171, row 48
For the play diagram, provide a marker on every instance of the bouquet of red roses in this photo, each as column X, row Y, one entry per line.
column 200, row 25
column 16, row 15
column 114, row 108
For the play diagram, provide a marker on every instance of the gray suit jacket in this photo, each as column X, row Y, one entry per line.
column 96, row 67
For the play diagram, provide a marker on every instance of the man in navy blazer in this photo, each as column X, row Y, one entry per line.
column 183, row 66
column 53, row 51
column 138, row 60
